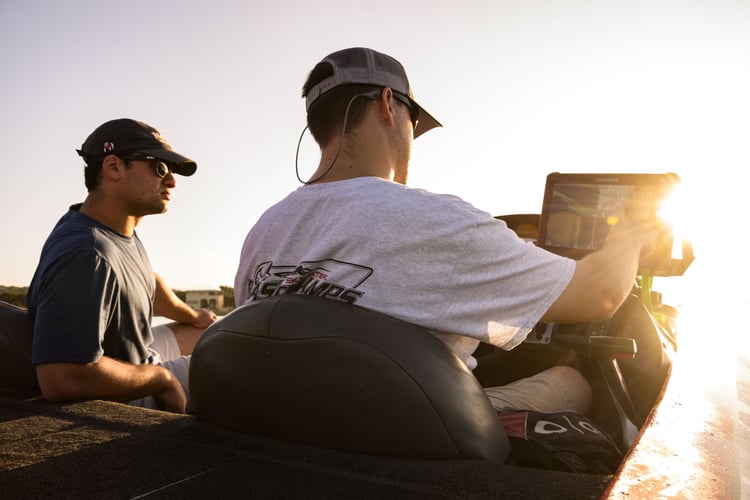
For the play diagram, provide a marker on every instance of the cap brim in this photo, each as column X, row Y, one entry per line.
column 178, row 164
column 425, row 122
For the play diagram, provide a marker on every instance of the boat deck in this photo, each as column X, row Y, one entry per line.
column 109, row 450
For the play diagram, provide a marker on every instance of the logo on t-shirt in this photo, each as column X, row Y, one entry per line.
column 330, row 279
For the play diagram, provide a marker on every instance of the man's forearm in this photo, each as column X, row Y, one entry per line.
column 169, row 305
column 107, row 379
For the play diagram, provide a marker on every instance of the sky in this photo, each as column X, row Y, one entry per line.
column 523, row 88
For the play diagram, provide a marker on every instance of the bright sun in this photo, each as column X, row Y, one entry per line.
column 714, row 287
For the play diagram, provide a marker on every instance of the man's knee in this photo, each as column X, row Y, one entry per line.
column 554, row 389
column 574, row 386
column 186, row 336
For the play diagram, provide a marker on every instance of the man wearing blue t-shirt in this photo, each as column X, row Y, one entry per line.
column 94, row 293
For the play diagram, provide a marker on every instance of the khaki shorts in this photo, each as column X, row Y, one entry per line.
column 556, row 389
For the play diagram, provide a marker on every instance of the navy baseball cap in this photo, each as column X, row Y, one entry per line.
column 126, row 136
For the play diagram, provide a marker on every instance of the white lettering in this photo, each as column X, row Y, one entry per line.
column 547, row 427
column 572, row 425
column 589, row 427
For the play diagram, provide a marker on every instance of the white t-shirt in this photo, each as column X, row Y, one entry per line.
column 429, row 259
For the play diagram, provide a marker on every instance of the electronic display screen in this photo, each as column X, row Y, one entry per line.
column 580, row 210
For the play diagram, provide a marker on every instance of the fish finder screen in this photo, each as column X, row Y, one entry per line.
column 580, row 210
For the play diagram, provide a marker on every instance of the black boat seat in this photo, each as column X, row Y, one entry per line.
column 330, row 374
column 17, row 374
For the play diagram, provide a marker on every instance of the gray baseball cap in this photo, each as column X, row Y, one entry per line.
column 360, row 65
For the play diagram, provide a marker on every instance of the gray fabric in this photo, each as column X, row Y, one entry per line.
column 432, row 260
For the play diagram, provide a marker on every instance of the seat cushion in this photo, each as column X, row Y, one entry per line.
column 16, row 333
column 330, row 374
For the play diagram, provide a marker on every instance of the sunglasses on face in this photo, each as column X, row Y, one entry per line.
column 160, row 168
column 413, row 110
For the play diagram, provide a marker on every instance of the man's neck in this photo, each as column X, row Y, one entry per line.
column 109, row 215
column 367, row 162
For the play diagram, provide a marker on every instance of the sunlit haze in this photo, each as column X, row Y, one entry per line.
column 522, row 89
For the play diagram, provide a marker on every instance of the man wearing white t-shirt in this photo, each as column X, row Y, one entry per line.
column 356, row 233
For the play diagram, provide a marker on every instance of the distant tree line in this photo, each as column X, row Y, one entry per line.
column 16, row 295
column 228, row 293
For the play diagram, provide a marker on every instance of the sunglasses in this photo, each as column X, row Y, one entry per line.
column 160, row 168
column 413, row 109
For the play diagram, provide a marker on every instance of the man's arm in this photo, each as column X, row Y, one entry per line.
column 603, row 279
column 111, row 380
column 169, row 305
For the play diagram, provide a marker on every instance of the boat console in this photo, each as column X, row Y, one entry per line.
column 631, row 352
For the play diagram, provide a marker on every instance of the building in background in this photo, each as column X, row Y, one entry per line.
column 207, row 299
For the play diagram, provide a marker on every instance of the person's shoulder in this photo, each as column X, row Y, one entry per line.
column 76, row 232
column 378, row 194
column 361, row 189
column 443, row 204
column 71, row 226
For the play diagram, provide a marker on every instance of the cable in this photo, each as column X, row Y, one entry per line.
column 369, row 95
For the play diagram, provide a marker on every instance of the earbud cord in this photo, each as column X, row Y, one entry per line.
column 370, row 95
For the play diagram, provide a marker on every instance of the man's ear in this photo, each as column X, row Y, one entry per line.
column 387, row 105
column 112, row 167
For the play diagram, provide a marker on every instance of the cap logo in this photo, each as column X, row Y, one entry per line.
column 109, row 146
column 158, row 136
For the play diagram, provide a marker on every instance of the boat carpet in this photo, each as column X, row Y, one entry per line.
column 99, row 449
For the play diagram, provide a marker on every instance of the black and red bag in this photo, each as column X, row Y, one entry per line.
column 564, row 441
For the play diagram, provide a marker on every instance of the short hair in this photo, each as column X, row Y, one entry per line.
column 92, row 173
column 326, row 115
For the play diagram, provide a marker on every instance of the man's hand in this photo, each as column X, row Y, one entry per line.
column 173, row 398
column 203, row 318
column 167, row 304
column 658, row 253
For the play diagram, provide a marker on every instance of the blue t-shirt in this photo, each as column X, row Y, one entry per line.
column 91, row 295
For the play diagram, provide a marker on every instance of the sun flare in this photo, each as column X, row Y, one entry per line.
column 714, row 287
